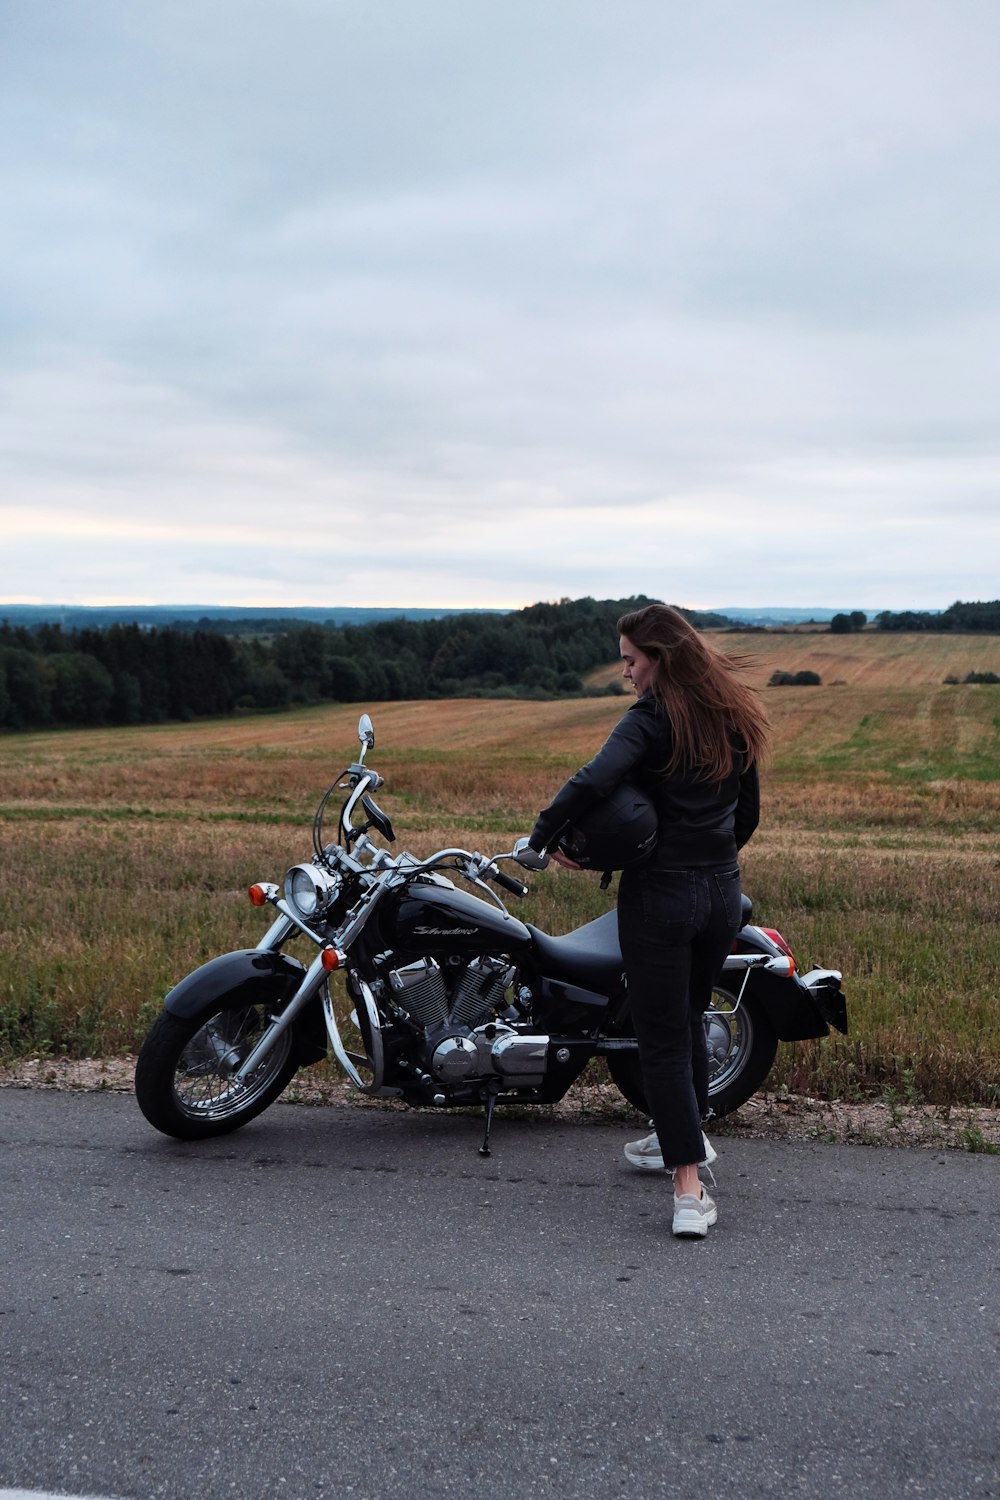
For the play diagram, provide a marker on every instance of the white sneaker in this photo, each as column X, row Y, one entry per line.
column 693, row 1217
column 647, row 1156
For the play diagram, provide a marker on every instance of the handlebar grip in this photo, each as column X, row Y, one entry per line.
column 514, row 886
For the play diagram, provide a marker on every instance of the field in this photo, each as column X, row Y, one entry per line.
column 126, row 854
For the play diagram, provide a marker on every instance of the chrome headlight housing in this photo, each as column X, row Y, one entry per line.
column 311, row 890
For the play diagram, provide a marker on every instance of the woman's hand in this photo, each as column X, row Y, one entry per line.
column 560, row 859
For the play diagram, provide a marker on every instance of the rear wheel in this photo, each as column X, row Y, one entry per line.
column 184, row 1080
column 741, row 1049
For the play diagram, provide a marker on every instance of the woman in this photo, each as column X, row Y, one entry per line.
column 691, row 742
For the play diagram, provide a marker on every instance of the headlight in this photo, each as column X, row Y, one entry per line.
column 311, row 890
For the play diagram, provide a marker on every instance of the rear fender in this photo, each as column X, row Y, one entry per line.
column 789, row 1005
column 824, row 986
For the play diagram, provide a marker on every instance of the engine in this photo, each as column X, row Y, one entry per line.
column 463, row 1040
column 477, row 990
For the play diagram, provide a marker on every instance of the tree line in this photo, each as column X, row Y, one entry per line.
column 843, row 624
column 130, row 674
column 958, row 616
column 981, row 615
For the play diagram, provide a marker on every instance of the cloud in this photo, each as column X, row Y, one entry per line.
column 307, row 297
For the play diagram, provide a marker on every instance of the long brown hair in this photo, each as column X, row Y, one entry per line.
column 702, row 690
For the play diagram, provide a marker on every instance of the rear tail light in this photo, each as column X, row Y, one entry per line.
column 779, row 942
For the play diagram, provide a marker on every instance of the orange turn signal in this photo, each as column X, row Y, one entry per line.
column 331, row 958
column 258, row 895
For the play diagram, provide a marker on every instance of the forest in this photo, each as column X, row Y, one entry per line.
column 132, row 674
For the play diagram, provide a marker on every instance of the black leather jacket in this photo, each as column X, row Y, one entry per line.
column 700, row 823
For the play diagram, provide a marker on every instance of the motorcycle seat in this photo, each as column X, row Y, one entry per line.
column 589, row 956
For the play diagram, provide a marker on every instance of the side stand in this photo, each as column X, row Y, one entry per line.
column 491, row 1104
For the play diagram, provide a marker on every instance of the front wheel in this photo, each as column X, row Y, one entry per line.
column 184, row 1081
column 741, row 1049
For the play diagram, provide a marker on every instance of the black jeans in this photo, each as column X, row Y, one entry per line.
column 676, row 928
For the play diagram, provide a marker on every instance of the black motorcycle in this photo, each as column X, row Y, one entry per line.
column 447, row 999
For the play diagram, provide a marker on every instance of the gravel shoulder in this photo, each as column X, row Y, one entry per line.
column 774, row 1116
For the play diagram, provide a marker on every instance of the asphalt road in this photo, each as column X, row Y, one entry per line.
column 354, row 1303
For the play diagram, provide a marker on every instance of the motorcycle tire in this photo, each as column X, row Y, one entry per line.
column 183, row 1077
column 741, row 1050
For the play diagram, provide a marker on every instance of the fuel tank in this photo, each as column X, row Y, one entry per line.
column 442, row 920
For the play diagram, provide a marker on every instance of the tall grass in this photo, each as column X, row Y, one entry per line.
column 126, row 856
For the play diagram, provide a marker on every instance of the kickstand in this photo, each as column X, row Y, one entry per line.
column 491, row 1104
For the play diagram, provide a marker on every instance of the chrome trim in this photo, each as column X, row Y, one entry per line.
column 751, row 961
column 289, row 914
column 341, row 1053
column 279, row 932
column 325, row 886
column 377, row 1059
column 367, row 781
column 820, row 976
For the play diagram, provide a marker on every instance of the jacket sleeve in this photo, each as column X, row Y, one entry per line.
column 747, row 806
column 623, row 750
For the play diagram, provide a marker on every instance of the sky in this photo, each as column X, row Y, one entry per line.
column 425, row 303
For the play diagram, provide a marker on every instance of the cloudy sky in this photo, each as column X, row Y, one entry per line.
column 461, row 302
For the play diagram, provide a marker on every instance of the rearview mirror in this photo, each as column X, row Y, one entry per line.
column 366, row 733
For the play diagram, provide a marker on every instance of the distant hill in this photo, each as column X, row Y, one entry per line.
column 767, row 616
column 259, row 619
column 97, row 617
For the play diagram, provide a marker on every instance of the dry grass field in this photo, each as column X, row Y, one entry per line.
column 127, row 853
column 870, row 658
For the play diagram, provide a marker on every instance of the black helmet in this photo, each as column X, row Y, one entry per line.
column 618, row 831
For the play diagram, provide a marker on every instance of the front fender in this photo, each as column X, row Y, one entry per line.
column 246, row 977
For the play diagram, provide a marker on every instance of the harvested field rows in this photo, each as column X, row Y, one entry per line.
column 869, row 659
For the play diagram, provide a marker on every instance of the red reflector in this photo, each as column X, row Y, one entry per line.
column 258, row 895
column 331, row 959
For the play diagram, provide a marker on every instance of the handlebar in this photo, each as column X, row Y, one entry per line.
column 361, row 781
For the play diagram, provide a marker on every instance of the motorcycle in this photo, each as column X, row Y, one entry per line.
column 453, row 1000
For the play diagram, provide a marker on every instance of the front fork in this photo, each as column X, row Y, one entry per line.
column 315, row 978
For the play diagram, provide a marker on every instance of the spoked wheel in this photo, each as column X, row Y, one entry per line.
column 741, row 1050
column 184, row 1080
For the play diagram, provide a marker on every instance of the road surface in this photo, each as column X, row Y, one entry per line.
column 352, row 1303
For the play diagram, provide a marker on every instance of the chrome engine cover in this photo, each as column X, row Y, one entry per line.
column 456, row 1060
column 491, row 1051
column 520, row 1056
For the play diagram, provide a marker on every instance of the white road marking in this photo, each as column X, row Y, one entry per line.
column 45, row 1495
